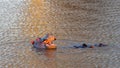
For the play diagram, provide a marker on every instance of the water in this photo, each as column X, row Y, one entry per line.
column 71, row 21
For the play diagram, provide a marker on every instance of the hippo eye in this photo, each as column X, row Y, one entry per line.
column 44, row 39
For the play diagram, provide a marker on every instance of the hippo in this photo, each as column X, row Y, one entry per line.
column 45, row 42
column 84, row 45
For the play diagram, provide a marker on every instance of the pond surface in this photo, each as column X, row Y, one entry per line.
column 71, row 21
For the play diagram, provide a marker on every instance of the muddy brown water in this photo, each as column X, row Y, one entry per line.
column 71, row 21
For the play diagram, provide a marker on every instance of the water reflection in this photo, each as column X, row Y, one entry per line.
column 50, row 56
column 37, row 24
column 35, row 20
column 51, row 62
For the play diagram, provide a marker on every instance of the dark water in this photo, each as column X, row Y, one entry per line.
column 71, row 21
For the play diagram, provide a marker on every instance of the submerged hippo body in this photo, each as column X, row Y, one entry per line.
column 89, row 45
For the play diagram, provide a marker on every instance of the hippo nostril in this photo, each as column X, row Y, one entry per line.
column 55, row 39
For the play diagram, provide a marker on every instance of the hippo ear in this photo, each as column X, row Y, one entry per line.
column 32, row 42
